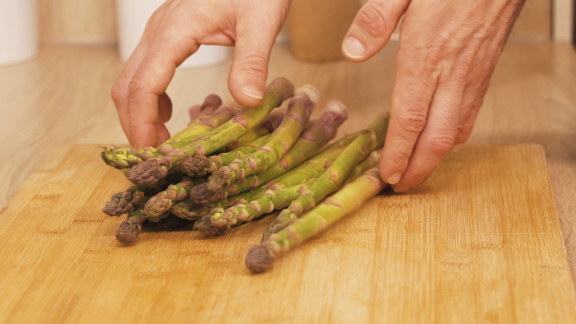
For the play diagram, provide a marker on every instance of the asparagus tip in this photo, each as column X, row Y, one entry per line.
column 260, row 258
column 204, row 225
column 195, row 166
column 128, row 231
column 147, row 173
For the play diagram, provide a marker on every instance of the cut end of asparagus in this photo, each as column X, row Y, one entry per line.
column 310, row 92
column 211, row 103
column 260, row 258
column 273, row 120
column 195, row 166
column 129, row 230
column 147, row 173
column 123, row 202
column 284, row 86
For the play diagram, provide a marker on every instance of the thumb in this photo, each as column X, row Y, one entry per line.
column 371, row 29
column 247, row 80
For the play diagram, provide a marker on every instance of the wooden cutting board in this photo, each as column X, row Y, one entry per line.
column 479, row 242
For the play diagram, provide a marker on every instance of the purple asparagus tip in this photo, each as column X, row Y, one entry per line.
column 260, row 258
column 123, row 202
column 129, row 230
column 195, row 166
column 147, row 173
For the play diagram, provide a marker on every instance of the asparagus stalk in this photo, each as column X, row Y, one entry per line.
column 312, row 168
column 199, row 127
column 267, row 126
column 122, row 158
column 211, row 102
column 220, row 222
column 371, row 161
column 188, row 210
column 294, row 122
column 154, row 169
column 158, row 205
column 347, row 199
column 199, row 165
column 207, row 108
column 368, row 140
column 314, row 137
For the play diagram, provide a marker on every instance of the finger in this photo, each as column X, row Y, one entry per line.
column 194, row 112
column 162, row 131
column 467, row 126
column 437, row 138
column 120, row 91
column 411, row 97
column 164, row 108
column 472, row 107
column 247, row 80
column 150, row 81
column 371, row 29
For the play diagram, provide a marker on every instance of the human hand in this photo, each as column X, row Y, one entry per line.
column 173, row 33
column 447, row 52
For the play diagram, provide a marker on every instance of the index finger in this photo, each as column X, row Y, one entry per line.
column 150, row 81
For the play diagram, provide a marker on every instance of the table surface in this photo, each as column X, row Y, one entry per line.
column 478, row 242
column 63, row 97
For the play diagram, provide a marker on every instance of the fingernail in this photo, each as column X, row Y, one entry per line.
column 393, row 179
column 457, row 147
column 252, row 91
column 353, row 48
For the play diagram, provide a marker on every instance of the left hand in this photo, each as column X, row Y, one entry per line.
column 448, row 50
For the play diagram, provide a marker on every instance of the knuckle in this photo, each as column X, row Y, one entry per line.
column 254, row 65
column 136, row 86
column 412, row 121
column 441, row 144
column 118, row 92
column 371, row 18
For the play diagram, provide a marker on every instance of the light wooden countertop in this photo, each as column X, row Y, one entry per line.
column 63, row 97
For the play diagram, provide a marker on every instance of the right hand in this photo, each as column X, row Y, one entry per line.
column 173, row 33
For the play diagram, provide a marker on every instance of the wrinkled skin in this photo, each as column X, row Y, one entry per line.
column 448, row 51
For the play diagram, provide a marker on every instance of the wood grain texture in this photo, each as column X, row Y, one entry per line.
column 479, row 242
column 80, row 22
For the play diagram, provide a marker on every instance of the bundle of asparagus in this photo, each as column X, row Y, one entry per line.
column 233, row 165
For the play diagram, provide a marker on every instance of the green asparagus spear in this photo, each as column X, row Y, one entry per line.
column 154, row 169
column 313, row 138
column 347, row 199
column 267, row 126
column 294, row 122
column 221, row 222
column 198, row 126
column 368, row 140
column 198, row 165
column 160, row 204
column 202, row 126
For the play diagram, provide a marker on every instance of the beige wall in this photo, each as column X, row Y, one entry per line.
column 77, row 21
column 93, row 21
